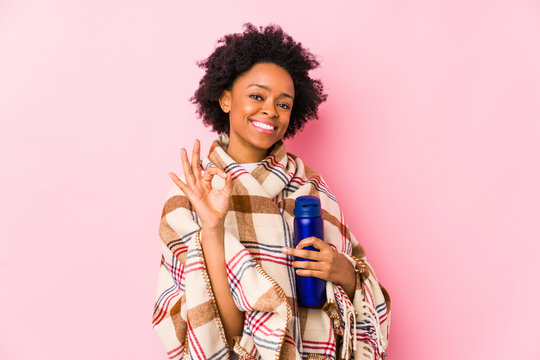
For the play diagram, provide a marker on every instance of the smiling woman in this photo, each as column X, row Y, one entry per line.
column 259, row 107
column 227, row 279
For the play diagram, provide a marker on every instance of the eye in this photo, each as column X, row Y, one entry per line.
column 256, row 96
column 284, row 105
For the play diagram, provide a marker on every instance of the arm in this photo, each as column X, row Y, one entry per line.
column 211, row 206
column 214, row 254
column 370, row 300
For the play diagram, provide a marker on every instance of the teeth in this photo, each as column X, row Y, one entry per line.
column 264, row 126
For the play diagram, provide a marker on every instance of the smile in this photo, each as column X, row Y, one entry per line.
column 263, row 127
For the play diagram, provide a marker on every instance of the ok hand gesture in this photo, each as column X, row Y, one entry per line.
column 210, row 204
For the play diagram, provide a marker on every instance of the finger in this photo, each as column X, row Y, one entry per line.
column 211, row 171
column 179, row 183
column 306, row 254
column 227, row 189
column 187, row 169
column 313, row 273
column 196, row 160
column 313, row 241
column 311, row 265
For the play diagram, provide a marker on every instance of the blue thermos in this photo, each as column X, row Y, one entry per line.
column 311, row 291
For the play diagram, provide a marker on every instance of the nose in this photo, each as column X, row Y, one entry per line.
column 269, row 109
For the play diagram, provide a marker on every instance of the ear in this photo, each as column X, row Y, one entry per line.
column 225, row 101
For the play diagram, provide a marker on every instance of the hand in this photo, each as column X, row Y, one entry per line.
column 329, row 264
column 210, row 204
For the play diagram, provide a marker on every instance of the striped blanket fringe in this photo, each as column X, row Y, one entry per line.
column 261, row 278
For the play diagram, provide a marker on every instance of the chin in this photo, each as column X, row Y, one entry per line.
column 266, row 145
column 263, row 141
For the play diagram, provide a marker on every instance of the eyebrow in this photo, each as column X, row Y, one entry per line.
column 268, row 89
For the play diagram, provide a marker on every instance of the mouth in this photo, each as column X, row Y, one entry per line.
column 264, row 127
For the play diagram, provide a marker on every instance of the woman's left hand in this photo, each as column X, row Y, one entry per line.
column 328, row 263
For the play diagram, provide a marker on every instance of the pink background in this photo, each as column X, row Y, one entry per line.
column 430, row 138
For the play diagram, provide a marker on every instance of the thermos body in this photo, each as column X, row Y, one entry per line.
column 311, row 291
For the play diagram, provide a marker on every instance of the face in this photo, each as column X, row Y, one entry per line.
column 259, row 106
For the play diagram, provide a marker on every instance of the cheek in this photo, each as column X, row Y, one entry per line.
column 286, row 121
column 244, row 107
column 284, row 126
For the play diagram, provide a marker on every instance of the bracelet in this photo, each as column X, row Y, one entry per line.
column 361, row 268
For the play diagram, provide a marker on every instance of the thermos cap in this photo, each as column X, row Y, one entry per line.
column 307, row 206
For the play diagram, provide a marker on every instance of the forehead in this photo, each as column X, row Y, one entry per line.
column 271, row 75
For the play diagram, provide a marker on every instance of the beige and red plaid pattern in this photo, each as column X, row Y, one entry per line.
column 262, row 281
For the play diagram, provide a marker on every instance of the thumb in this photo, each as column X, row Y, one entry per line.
column 312, row 241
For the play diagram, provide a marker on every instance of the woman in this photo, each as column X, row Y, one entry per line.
column 227, row 279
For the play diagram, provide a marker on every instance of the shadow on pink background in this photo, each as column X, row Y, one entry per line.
column 430, row 138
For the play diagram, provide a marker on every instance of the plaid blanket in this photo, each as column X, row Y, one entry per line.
column 261, row 277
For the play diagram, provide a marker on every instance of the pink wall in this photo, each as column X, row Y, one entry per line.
column 430, row 138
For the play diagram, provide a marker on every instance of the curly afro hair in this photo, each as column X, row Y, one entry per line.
column 238, row 54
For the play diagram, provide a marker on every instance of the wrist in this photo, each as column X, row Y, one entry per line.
column 212, row 237
column 217, row 229
column 349, row 280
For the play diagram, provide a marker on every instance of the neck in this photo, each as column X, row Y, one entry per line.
column 243, row 154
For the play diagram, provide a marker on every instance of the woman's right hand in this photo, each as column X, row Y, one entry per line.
column 210, row 204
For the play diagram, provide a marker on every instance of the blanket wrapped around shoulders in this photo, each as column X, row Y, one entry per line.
column 262, row 280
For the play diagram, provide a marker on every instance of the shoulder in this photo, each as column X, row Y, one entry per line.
column 174, row 190
column 174, row 199
column 306, row 172
column 303, row 169
column 312, row 179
